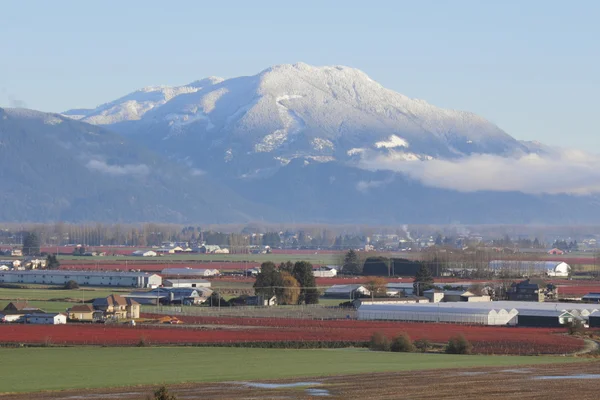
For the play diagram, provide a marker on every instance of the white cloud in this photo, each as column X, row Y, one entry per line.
column 366, row 186
column 558, row 171
column 118, row 170
column 197, row 172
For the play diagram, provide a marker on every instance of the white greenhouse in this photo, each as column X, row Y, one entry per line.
column 531, row 268
column 439, row 312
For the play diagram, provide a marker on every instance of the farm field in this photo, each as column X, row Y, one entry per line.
column 77, row 368
column 539, row 381
column 50, row 293
column 229, row 330
column 48, row 306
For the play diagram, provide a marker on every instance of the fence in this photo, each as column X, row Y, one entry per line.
column 294, row 312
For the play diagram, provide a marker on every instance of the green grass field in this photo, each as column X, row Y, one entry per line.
column 41, row 297
column 81, row 367
column 48, row 306
column 47, row 294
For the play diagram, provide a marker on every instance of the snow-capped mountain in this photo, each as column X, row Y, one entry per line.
column 253, row 125
column 329, row 144
column 134, row 105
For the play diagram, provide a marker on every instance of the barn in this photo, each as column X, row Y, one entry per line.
column 545, row 318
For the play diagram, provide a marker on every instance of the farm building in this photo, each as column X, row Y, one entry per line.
column 166, row 296
column 438, row 312
column 346, row 291
column 186, row 283
column 591, row 298
column 10, row 316
column 165, row 251
column 390, row 300
column 209, row 249
column 504, row 312
column 436, row 296
column 144, row 253
column 83, row 278
column 189, row 272
column 546, row 318
column 531, row 268
column 260, row 301
column 527, row 290
column 47, row 319
column 324, row 272
column 400, row 288
column 11, row 263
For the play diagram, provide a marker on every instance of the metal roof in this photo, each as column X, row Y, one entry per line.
column 78, row 273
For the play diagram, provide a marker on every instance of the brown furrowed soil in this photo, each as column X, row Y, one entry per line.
column 579, row 381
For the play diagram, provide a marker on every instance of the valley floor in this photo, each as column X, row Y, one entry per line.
column 579, row 381
column 138, row 370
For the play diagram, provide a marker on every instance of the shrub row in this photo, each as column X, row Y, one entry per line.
column 402, row 344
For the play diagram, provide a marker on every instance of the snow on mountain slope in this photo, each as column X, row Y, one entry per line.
column 300, row 111
column 134, row 105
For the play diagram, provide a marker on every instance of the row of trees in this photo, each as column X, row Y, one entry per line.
column 291, row 283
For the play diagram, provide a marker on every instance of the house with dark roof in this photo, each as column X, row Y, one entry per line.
column 21, row 307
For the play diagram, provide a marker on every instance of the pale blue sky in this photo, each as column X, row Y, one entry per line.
column 531, row 67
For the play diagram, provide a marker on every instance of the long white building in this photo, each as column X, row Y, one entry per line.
column 83, row 278
column 485, row 313
column 530, row 268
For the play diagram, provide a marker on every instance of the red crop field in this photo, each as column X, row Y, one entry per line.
column 579, row 290
column 206, row 330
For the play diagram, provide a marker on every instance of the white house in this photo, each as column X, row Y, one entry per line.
column 47, row 319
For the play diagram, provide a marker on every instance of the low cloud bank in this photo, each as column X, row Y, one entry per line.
column 118, row 170
column 558, row 171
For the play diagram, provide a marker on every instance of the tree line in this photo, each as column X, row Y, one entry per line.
column 290, row 283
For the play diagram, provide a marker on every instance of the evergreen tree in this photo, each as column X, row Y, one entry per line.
column 268, row 282
column 351, row 264
column 287, row 266
column 31, row 244
column 423, row 280
column 52, row 262
column 303, row 272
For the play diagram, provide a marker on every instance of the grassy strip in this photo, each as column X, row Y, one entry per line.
column 95, row 367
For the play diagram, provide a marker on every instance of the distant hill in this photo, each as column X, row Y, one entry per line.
column 54, row 168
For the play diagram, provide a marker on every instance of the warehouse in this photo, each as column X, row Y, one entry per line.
column 546, row 318
column 83, row 278
column 186, row 283
column 531, row 268
column 484, row 313
column 438, row 312
column 189, row 272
